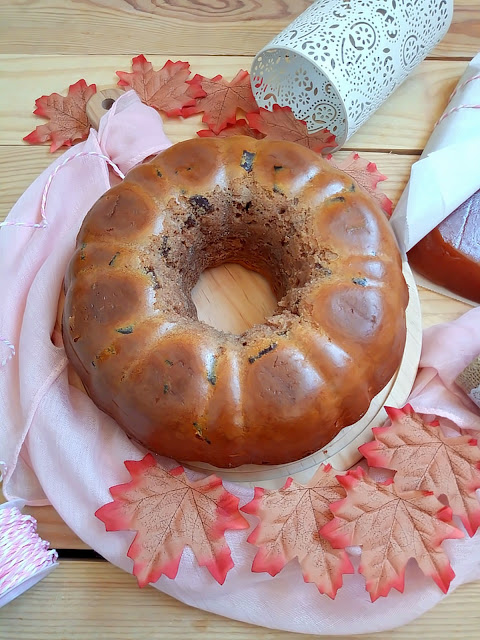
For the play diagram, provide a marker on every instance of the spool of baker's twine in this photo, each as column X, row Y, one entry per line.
column 469, row 381
column 24, row 557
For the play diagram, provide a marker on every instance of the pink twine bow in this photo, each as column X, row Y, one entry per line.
column 46, row 189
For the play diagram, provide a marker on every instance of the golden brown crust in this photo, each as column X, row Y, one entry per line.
column 281, row 390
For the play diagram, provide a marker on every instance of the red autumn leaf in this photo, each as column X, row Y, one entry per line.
column 169, row 512
column 281, row 124
column 67, row 116
column 426, row 460
column 166, row 90
column 290, row 520
column 367, row 175
column 222, row 99
column 391, row 527
column 239, row 128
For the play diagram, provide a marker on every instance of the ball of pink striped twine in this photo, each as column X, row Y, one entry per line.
column 24, row 557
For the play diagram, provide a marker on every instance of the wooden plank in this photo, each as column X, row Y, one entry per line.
column 463, row 37
column 20, row 165
column 81, row 599
column 182, row 28
column 437, row 308
column 403, row 123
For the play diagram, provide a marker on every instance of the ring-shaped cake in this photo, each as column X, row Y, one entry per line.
column 279, row 391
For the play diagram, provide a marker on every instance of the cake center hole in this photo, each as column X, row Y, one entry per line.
column 232, row 298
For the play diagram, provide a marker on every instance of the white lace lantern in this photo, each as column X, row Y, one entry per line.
column 339, row 61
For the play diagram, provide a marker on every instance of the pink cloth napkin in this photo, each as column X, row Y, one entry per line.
column 447, row 349
column 60, row 449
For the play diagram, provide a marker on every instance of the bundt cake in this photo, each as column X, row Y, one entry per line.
column 281, row 390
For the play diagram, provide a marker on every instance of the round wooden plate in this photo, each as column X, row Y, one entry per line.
column 224, row 284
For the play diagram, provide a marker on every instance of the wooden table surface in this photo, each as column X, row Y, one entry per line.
column 45, row 45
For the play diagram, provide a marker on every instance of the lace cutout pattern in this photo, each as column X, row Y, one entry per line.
column 339, row 61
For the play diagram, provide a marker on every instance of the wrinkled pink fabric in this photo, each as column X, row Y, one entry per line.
column 447, row 349
column 59, row 448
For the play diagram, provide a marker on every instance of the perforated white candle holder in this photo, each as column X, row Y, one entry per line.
column 339, row 61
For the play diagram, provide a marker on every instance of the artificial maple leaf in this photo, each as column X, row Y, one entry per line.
column 391, row 527
column 426, row 460
column 169, row 512
column 67, row 116
column 366, row 174
column 290, row 520
column 222, row 99
column 239, row 128
column 166, row 90
column 281, row 124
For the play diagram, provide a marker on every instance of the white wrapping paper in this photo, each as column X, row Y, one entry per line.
column 448, row 171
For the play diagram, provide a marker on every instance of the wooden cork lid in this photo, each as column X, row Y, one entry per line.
column 100, row 103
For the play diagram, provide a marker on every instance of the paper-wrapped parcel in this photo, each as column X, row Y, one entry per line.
column 448, row 171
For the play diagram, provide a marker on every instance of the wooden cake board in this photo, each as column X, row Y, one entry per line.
column 227, row 284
